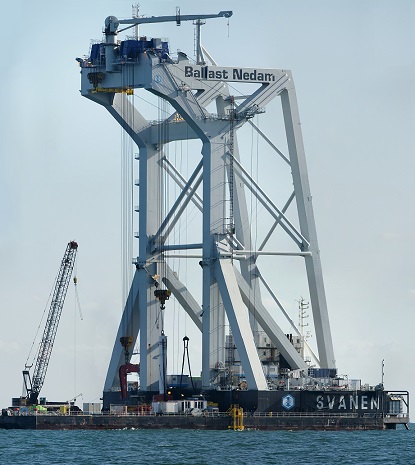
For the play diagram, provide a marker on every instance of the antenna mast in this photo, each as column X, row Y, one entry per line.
column 200, row 60
column 135, row 10
column 302, row 315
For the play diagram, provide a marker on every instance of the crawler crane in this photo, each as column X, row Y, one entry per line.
column 34, row 385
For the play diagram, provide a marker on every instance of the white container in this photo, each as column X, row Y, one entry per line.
column 118, row 409
column 92, row 408
column 157, row 407
column 171, row 407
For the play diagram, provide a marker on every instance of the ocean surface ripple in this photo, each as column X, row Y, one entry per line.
column 179, row 447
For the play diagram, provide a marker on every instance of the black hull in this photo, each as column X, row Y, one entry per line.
column 222, row 422
column 293, row 401
column 299, row 401
column 263, row 410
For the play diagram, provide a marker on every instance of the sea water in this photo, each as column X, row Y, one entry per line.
column 176, row 447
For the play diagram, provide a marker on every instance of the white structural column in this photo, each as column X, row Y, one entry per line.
column 240, row 206
column 307, row 226
column 146, row 308
column 206, row 266
column 217, row 230
column 243, row 234
column 150, row 202
column 239, row 323
column 130, row 325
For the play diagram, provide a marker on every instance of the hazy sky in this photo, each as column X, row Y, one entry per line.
column 354, row 67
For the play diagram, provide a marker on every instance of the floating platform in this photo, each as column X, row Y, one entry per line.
column 259, row 410
column 206, row 421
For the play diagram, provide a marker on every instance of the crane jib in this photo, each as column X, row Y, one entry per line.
column 178, row 18
column 55, row 310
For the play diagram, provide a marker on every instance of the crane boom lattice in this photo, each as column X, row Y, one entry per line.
column 55, row 311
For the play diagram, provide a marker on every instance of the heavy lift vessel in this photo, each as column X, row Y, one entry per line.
column 256, row 366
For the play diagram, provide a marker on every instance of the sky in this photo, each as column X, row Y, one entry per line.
column 354, row 68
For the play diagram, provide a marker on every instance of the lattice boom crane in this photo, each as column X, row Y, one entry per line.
column 34, row 385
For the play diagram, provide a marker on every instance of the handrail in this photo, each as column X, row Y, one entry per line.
column 224, row 414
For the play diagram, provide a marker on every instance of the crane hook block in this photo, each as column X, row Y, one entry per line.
column 126, row 341
column 162, row 295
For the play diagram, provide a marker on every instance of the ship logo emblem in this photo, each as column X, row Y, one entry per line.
column 288, row 402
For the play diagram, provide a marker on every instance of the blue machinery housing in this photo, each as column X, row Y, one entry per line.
column 129, row 50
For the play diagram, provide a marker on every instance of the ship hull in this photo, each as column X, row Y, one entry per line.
column 220, row 422
column 262, row 410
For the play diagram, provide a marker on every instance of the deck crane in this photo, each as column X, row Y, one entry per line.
column 112, row 29
column 34, row 385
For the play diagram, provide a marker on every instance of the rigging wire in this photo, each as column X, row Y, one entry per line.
column 75, row 282
column 251, row 199
column 174, row 261
column 152, row 104
column 256, row 229
column 77, row 307
column 186, row 219
column 75, row 339
column 178, row 231
column 38, row 328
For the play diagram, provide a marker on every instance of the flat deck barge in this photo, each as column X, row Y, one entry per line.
column 206, row 421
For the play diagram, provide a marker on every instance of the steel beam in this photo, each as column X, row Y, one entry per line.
column 239, row 323
column 129, row 325
column 273, row 331
column 307, row 226
column 183, row 296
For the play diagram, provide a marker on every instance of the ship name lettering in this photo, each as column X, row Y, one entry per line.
column 340, row 402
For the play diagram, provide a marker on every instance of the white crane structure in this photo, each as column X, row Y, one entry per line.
column 229, row 265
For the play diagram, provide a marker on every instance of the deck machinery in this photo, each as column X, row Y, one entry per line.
column 230, row 271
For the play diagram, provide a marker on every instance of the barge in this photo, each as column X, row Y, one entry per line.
column 373, row 409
